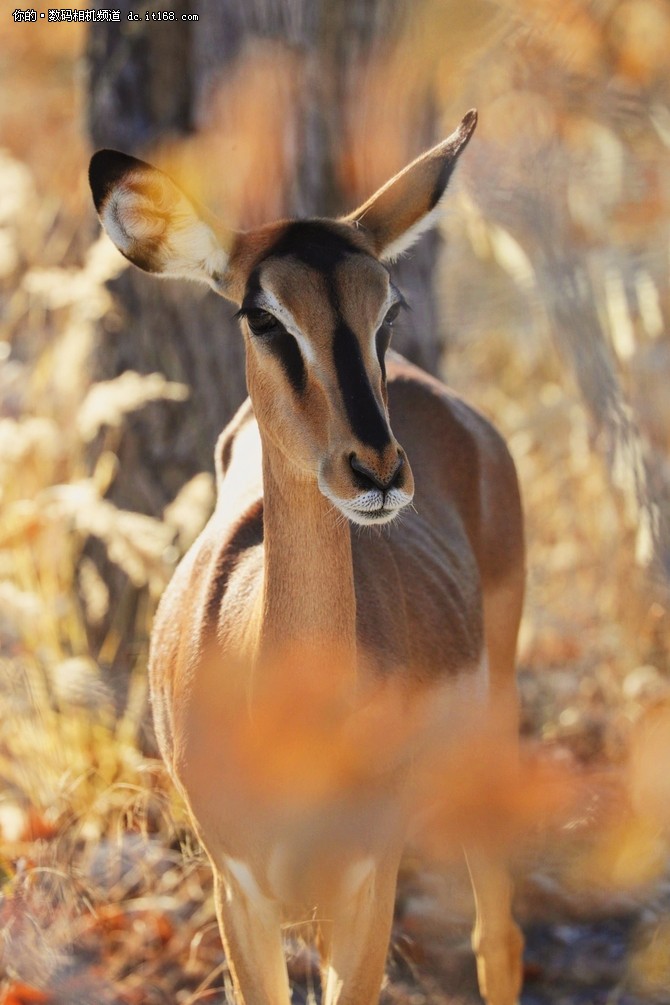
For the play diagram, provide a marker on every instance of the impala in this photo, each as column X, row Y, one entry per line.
column 351, row 593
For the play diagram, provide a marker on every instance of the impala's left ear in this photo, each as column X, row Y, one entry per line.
column 409, row 204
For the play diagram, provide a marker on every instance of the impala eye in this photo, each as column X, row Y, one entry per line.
column 262, row 324
column 392, row 314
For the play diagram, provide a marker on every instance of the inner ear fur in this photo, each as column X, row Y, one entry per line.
column 408, row 205
column 153, row 223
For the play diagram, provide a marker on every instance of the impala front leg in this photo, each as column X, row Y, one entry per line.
column 355, row 940
column 250, row 926
column 496, row 939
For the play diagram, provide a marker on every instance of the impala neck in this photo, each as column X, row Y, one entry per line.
column 309, row 605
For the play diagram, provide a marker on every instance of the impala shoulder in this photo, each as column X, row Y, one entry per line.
column 435, row 408
column 235, row 566
column 465, row 459
column 242, row 421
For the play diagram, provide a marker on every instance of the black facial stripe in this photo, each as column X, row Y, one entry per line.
column 313, row 243
column 287, row 351
column 283, row 345
column 367, row 420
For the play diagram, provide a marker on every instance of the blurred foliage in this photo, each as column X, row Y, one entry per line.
column 556, row 253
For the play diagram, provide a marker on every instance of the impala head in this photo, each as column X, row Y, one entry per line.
column 317, row 306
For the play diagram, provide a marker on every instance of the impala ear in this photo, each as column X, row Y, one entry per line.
column 409, row 204
column 153, row 223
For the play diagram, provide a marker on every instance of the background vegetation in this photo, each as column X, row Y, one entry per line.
column 555, row 302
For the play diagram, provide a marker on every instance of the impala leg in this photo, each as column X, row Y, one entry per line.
column 250, row 926
column 496, row 939
column 355, row 941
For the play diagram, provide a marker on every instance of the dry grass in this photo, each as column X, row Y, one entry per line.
column 105, row 896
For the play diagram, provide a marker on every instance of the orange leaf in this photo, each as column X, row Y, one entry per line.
column 38, row 827
column 19, row 993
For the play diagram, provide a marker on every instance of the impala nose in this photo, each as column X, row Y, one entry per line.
column 368, row 479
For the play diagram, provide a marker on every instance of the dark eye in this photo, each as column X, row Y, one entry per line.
column 392, row 314
column 263, row 324
column 383, row 340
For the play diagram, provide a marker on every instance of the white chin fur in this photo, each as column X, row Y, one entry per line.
column 373, row 517
column 370, row 508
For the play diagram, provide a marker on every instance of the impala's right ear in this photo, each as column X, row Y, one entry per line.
column 153, row 223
